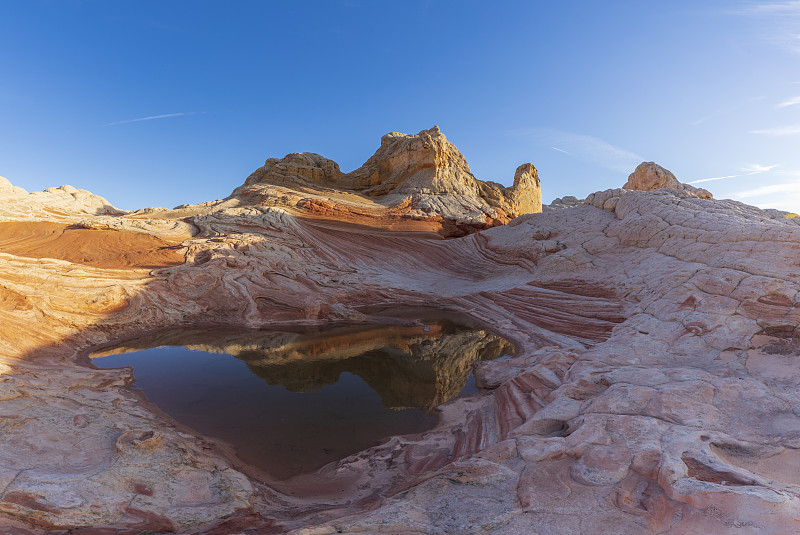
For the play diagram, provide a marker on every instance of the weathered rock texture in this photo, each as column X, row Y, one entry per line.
column 649, row 176
column 52, row 202
column 560, row 203
column 412, row 182
column 102, row 247
column 654, row 390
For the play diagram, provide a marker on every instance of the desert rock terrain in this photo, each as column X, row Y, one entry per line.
column 654, row 387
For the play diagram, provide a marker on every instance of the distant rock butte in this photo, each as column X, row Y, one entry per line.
column 654, row 387
column 412, row 182
column 52, row 202
column 649, row 176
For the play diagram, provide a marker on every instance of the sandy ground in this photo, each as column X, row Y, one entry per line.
column 113, row 249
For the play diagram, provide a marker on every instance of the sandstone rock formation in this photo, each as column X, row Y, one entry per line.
column 654, row 388
column 649, row 176
column 559, row 203
column 52, row 202
column 419, row 178
column 7, row 189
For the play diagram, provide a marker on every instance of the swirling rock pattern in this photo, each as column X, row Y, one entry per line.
column 653, row 389
column 412, row 182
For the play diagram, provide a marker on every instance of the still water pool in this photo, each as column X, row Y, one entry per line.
column 291, row 402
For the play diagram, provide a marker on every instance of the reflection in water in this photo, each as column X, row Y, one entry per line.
column 291, row 402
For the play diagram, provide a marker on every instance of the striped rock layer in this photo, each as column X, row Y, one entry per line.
column 654, row 388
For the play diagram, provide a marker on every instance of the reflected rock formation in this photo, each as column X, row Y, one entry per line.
column 409, row 366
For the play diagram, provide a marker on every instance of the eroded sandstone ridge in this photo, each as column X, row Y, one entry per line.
column 412, row 182
column 654, row 388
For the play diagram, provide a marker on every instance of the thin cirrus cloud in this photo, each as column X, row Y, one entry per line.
column 747, row 171
column 727, row 110
column 152, row 117
column 779, row 131
column 791, row 102
column 781, row 19
column 791, row 7
column 588, row 148
column 773, row 189
column 784, row 195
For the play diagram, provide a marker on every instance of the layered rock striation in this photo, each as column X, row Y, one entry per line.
column 413, row 178
column 654, row 387
column 51, row 203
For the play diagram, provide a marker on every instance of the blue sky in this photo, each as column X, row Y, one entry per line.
column 168, row 102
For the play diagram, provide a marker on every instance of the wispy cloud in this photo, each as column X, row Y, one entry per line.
column 785, row 204
column 712, row 179
column 783, row 193
column 790, row 7
column 727, row 110
column 779, row 131
column 747, row 171
column 782, row 22
column 587, row 148
column 756, row 169
column 791, row 102
column 772, row 189
column 152, row 117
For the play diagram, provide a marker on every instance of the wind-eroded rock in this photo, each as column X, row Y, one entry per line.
column 654, row 388
column 52, row 202
column 422, row 178
column 649, row 176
